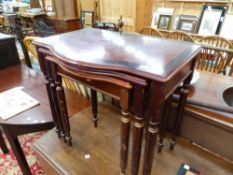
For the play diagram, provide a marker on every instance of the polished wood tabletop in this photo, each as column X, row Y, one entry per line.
column 139, row 55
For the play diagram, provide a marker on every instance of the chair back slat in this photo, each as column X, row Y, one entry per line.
column 213, row 57
column 180, row 36
column 151, row 32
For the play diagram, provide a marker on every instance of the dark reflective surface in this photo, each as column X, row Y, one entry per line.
column 136, row 54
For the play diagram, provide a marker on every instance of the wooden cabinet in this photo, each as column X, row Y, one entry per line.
column 62, row 25
column 8, row 52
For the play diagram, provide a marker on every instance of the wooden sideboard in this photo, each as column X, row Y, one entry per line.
column 62, row 25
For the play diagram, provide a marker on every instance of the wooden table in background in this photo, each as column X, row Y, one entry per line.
column 162, row 64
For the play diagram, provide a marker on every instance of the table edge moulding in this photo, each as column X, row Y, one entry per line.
column 127, row 66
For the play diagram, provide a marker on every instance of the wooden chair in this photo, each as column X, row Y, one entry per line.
column 150, row 31
column 216, row 54
column 180, row 36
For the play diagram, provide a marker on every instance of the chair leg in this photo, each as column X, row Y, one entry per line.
column 17, row 150
column 94, row 105
column 3, row 144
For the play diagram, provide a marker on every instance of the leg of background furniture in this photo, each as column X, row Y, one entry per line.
column 3, row 144
column 17, row 150
column 94, row 105
column 163, row 124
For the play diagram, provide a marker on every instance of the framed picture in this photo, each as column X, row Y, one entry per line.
column 155, row 19
column 187, row 23
column 211, row 19
column 227, row 27
column 164, row 21
column 175, row 22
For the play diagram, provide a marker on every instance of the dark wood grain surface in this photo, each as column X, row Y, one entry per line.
column 144, row 56
column 33, row 85
column 206, row 95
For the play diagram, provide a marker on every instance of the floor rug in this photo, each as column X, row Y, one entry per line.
column 8, row 163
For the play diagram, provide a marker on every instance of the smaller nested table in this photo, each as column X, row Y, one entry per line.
column 8, row 51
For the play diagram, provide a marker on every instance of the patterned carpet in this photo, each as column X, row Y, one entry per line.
column 8, row 163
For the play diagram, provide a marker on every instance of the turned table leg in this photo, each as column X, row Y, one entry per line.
column 63, row 110
column 125, row 131
column 138, row 110
column 51, row 91
column 94, row 105
column 155, row 108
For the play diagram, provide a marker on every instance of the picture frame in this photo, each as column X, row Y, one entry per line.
column 227, row 27
column 160, row 11
column 211, row 19
column 187, row 23
column 175, row 22
column 155, row 19
column 164, row 21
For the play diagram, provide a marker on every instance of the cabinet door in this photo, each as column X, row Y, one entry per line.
column 66, row 8
column 111, row 10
